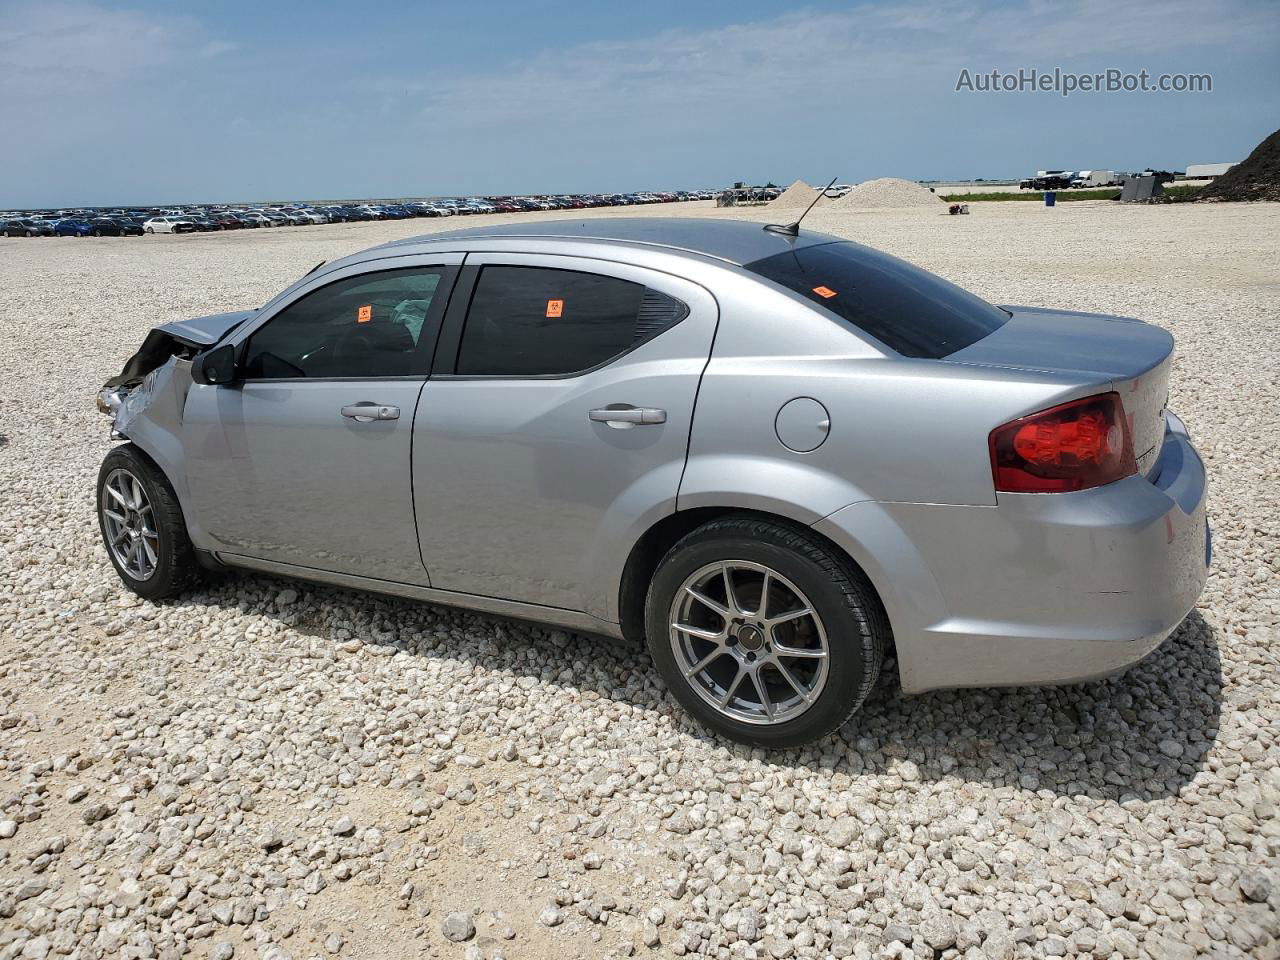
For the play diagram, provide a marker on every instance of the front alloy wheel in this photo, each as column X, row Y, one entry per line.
column 128, row 525
column 142, row 525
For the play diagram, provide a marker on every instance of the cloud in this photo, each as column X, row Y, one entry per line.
column 760, row 70
column 216, row 48
column 59, row 51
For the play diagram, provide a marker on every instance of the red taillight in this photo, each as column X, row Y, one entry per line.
column 1073, row 446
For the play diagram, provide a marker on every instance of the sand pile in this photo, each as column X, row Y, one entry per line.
column 796, row 197
column 1256, row 178
column 886, row 193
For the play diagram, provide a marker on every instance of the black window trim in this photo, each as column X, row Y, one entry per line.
column 440, row 302
column 449, row 344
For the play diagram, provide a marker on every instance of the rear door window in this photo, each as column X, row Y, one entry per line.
column 541, row 322
column 909, row 310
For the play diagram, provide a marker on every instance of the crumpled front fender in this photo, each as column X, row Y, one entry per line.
column 150, row 415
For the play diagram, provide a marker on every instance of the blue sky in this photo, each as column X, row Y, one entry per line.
column 171, row 101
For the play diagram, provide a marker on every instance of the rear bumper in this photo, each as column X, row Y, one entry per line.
column 1042, row 588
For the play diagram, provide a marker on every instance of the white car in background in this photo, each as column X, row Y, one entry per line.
column 168, row 224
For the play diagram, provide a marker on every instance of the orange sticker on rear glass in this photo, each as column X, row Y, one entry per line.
column 824, row 292
column 364, row 314
column 555, row 308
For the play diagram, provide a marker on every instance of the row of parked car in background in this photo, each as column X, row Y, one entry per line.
column 136, row 222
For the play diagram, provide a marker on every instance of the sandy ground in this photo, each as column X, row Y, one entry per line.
column 545, row 789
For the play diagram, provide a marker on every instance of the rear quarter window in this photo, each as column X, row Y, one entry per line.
column 909, row 310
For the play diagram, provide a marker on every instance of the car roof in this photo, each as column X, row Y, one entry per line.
column 736, row 241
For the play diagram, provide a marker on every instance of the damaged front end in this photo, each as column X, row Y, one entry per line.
column 149, row 372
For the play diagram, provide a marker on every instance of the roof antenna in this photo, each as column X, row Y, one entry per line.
column 793, row 229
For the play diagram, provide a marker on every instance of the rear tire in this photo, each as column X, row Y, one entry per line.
column 142, row 526
column 749, row 671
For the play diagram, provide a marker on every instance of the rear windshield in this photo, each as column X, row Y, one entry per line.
column 907, row 309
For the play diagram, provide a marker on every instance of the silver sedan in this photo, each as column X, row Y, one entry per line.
column 775, row 457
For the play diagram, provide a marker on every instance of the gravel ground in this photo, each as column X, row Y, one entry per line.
column 268, row 769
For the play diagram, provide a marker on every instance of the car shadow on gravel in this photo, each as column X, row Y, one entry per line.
column 1143, row 734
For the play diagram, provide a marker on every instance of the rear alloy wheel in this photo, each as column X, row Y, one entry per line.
column 763, row 632
column 749, row 642
column 142, row 526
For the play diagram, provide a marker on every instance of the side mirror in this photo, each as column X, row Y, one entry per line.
column 215, row 366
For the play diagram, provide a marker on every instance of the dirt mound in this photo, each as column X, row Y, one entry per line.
column 796, row 197
column 1256, row 178
column 887, row 192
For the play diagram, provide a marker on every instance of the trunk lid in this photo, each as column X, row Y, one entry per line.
column 1120, row 353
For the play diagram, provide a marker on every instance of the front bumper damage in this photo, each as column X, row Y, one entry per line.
column 127, row 394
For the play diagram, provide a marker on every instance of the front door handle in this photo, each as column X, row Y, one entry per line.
column 366, row 412
column 629, row 416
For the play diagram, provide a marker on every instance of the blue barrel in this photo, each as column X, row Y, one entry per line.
column 1050, row 198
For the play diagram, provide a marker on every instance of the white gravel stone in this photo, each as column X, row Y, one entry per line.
column 458, row 927
column 1255, row 885
column 76, row 792
column 343, row 827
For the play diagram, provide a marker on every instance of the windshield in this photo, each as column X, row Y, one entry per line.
column 909, row 310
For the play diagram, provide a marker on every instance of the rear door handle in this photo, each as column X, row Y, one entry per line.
column 630, row 416
column 366, row 412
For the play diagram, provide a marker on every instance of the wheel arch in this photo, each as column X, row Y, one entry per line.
column 653, row 544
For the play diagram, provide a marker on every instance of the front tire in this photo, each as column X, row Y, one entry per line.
column 764, row 632
column 142, row 526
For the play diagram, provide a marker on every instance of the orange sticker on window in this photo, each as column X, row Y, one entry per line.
column 824, row 292
column 555, row 308
column 364, row 314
